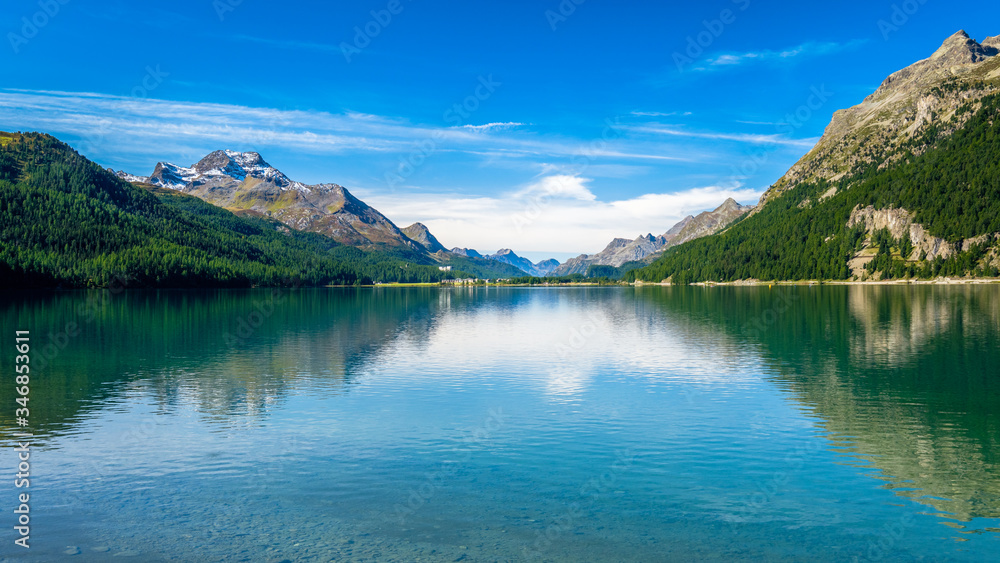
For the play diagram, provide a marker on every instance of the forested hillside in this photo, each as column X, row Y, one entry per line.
column 951, row 189
column 66, row 222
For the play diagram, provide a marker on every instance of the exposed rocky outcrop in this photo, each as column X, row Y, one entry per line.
column 925, row 93
column 420, row 234
column 900, row 224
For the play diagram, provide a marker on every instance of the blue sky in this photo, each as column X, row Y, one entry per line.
column 548, row 127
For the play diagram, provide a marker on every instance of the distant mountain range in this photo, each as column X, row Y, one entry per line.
column 540, row 269
column 244, row 183
column 623, row 251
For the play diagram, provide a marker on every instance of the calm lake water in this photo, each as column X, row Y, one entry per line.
column 582, row 424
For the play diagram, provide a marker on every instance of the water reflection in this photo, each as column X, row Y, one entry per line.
column 905, row 379
column 230, row 353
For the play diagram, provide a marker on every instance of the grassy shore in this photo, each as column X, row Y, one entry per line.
column 936, row 281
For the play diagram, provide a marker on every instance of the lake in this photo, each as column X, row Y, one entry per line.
column 509, row 424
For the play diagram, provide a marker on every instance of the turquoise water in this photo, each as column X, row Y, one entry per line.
column 582, row 424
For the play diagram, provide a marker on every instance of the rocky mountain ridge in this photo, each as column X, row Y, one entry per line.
column 243, row 182
column 907, row 103
column 507, row 256
column 647, row 247
column 420, row 234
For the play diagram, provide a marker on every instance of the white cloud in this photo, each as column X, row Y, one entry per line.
column 755, row 139
column 493, row 126
column 559, row 186
column 660, row 114
column 123, row 126
column 806, row 49
column 527, row 220
column 558, row 211
column 606, row 334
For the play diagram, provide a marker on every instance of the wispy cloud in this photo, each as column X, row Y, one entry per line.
column 493, row 126
column 768, row 55
column 660, row 114
column 118, row 124
column 751, row 138
column 563, row 211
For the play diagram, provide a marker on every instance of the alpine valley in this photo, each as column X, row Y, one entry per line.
column 904, row 185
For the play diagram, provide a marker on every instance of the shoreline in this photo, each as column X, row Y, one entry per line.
column 757, row 283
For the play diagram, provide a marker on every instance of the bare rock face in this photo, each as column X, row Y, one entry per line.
column 709, row 222
column 956, row 52
column 900, row 224
column 420, row 234
column 925, row 93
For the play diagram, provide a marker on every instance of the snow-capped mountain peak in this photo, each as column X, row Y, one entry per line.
column 219, row 165
column 171, row 176
column 130, row 177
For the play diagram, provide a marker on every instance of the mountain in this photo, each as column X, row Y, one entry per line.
column 466, row 252
column 706, row 223
column 905, row 184
column 244, row 183
column 506, row 256
column 481, row 268
column 926, row 94
column 419, row 234
column 66, row 222
column 130, row 177
column 541, row 269
column 546, row 267
column 622, row 251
